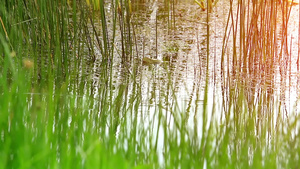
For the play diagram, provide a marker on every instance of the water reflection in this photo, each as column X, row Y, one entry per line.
column 183, row 48
column 172, row 93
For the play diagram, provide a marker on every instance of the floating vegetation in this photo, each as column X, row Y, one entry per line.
column 149, row 61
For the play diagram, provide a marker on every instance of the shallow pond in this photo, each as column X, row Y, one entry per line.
column 179, row 39
column 176, row 89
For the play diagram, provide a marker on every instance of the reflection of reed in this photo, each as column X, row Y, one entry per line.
column 259, row 47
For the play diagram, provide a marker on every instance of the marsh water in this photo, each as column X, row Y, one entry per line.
column 179, row 36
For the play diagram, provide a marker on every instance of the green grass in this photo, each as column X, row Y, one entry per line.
column 53, row 116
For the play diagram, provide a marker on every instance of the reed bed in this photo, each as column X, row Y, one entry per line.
column 55, row 114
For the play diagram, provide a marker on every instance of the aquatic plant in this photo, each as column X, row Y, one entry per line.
column 61, row 107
